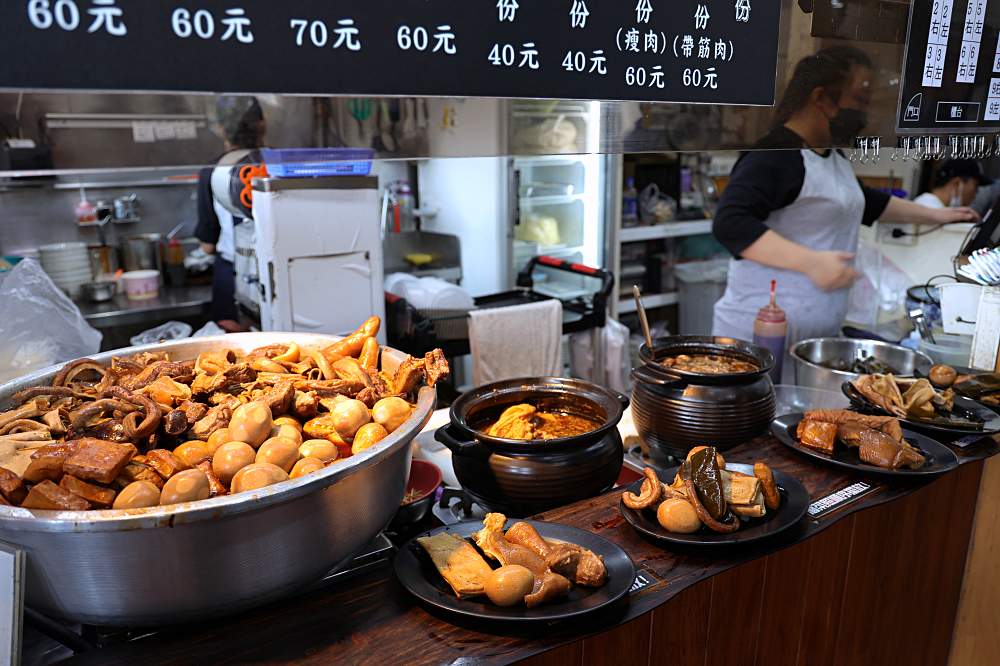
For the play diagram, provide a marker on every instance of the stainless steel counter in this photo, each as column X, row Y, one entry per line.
column 172, row 303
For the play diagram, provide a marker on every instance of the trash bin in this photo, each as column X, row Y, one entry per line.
column 699, row 285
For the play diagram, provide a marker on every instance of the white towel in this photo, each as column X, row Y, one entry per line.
column 517, row 341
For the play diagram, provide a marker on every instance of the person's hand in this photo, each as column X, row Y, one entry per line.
column 831, row 270
column 955, row 215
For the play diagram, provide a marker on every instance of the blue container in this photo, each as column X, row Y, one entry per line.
column 312, row 162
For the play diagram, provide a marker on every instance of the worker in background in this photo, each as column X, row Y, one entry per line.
column 955, row 184
column 243, row 123
column 793, row 207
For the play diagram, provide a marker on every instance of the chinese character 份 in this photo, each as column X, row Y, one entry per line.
column 347, row 35
column 743, row 11
column 507, row 10
column 237, row 23
column 701, row 17
column 578, row 14
column 109, row 16
column 643, row 11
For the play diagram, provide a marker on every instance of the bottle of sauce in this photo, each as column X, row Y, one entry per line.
column 769, row 331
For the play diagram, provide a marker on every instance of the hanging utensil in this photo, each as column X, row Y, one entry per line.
column 642, row 318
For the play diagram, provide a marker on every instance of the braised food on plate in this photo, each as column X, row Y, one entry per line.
column 531, row 570
column 878, row 439
column 149, row 430
column 527, row 422
column 705, row 495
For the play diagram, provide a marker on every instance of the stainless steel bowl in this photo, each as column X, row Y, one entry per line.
column 808, row 355
column 99, row 292
column 159, row 565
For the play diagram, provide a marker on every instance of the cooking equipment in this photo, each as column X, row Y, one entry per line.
column 521, row 477
column 940, row 458
column 127, row 208
column 417, row 573
column 643, row 321
column 99, row 292
column 794, row 504
column 103, row 259
column 172, row 563
column 808, row 354
column 142, row 252
column 674, row 411
column 927, row 299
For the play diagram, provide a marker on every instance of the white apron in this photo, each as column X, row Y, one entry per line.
column 826, row 216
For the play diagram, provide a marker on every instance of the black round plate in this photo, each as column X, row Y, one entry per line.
column 990, row 418
column 794, row 503
column 417, row 573
column 940, row 458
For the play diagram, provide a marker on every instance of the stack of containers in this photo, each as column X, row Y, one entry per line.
column 68, row 264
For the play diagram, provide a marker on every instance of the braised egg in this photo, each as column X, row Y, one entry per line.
column 306, row 466
column 137, row 495
column 257, row 475
column 279, row 451
column 677, row 515
column 230, row 458
column 507, row 586
column 186, row 486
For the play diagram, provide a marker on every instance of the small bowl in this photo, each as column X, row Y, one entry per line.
column 99, row 292
column 424, row 480
column 141, row 285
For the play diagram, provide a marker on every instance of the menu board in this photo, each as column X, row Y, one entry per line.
column 711, row 51
column 951, row 72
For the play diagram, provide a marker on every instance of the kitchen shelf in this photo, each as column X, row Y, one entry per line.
column 555, row 199
column 666, row 230
column 650, row 301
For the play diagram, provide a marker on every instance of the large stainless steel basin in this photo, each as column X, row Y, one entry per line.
column 809, row 354
column 167, row 564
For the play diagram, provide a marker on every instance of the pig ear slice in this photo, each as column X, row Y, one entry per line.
column 649, row 494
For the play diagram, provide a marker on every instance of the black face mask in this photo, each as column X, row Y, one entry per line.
column 847, row 125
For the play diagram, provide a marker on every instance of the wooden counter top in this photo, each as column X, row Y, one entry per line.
column 372, row 619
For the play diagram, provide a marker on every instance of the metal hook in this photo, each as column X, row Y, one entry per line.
column 981, row 146
column 876, row 149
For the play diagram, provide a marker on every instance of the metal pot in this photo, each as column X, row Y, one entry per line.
column 674, row 411
column 99, row 292
column 808, row 355
column 142, row 252
column 176, row 563
column 521, row 478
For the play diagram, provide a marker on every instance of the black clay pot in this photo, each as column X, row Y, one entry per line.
column 675, row 411
column 521, row 478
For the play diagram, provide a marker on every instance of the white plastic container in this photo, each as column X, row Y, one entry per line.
column 699, row 285
column 948, row 349
column 141, row 285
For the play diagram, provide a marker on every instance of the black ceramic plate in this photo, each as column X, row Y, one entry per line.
column 794, row 503
column 974, row 410
column 940, row 458
column 417, row 573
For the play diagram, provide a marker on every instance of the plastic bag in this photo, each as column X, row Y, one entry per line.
column 172, row 330
column 616, row 355
column 211, row 328
column 654, row 206
column 880, row 290
column 39, row 324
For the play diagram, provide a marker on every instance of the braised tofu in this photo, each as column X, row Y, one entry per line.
column 138, row 472
column 98, row 460
column 45, row 468
column 165, row 463
column 11, row 487
column 817, row 435
column 47, row 495
column 97, row 496
column 57, row 450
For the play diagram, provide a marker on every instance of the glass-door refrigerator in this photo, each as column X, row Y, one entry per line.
column 560, row 201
